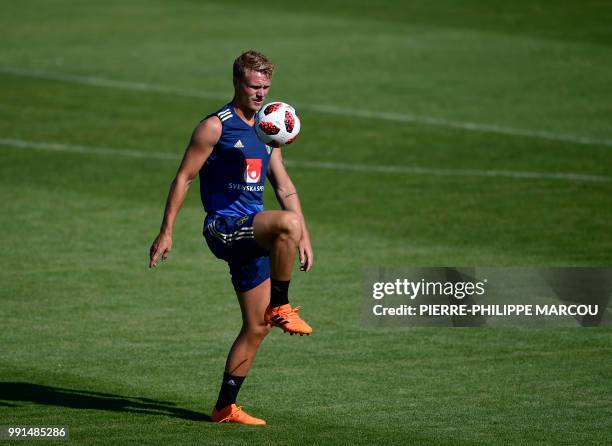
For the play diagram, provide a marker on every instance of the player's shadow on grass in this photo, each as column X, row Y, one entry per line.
column 11, row 392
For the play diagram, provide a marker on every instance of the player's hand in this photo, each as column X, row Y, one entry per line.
column 306, row 255
column 162, row 245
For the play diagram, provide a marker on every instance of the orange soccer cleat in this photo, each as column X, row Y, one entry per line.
column 235, row 414
column 287, row 319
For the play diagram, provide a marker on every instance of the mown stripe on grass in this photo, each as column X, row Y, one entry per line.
column 363, row 168
column 328, row 109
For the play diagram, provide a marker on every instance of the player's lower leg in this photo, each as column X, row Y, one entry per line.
column 281, row 232
column 239, row 362
column 226, row 410
column 253, row 304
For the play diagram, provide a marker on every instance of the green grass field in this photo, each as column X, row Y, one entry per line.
column 497, row 121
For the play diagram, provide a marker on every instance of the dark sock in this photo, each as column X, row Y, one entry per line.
column 229, row 390
column 280, row 293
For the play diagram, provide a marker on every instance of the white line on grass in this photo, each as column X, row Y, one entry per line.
column 110, row 83
column 329, row 109
column 345, row 167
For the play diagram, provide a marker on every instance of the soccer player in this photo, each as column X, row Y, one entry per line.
column 259, row 246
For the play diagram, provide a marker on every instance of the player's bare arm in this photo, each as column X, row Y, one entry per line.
column 203, row 139
column 288, row 198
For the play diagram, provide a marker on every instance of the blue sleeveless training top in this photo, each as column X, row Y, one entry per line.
column 232, row 178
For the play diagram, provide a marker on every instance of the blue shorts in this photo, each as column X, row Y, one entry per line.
column 232, row 239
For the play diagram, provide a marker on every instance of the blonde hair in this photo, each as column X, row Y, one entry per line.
column 253, row 61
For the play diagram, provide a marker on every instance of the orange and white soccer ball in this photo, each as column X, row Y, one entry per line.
column 277, row 124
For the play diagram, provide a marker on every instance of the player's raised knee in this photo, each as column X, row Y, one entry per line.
column 290, row 226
